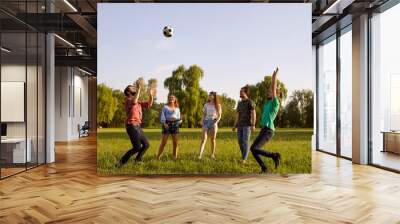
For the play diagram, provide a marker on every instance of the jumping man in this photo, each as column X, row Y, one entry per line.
column 270, row 110
column 133, row 108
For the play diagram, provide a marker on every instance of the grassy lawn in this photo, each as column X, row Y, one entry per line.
column 293, row 144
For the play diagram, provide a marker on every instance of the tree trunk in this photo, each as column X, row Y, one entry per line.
column 190, row 124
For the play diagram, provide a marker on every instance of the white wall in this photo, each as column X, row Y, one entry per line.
column 71, row 94
column 12, row 73
column 62, row 82
column 80, row 111
column 17, row 73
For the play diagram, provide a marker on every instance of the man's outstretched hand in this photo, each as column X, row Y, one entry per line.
column 153, row 92
column 276, row 71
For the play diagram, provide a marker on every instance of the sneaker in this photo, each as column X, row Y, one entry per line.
column 277, row 159
column 263, row 170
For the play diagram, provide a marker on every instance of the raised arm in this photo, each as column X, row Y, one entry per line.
column 137, row 95
column 151, row 97
column 274, row 82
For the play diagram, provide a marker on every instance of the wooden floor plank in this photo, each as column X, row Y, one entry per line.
column 70, row 191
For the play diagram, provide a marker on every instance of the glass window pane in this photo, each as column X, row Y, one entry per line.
column 385, row 84
column 13, row 86
column 31, row 98
column 23, row 90
column 32, row 88
column 327, row 97
column 346, row 94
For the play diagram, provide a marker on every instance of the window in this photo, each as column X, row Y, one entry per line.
column 346, row 93
column 385, row 89
column 23, row 77
column 15, row 147
column 327, row 96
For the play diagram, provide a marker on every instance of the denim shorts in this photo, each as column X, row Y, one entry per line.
column 209, row 124
column 173, row 128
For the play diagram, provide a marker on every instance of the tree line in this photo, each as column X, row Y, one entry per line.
column 184, row 83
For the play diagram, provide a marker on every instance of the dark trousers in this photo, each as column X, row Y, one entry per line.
column 139, row 143
column 263, row 137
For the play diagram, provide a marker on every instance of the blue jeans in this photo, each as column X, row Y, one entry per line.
column 209, row 125
column 244, row 138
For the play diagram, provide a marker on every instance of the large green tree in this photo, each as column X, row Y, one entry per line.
column 118, row 119
column 151, row 116
column 228, row 111
column 106, row 105
column 185, row 85
column 300, row 109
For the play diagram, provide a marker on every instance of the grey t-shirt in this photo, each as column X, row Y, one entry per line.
column 244, row 109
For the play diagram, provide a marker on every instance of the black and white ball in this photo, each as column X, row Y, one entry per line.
column 168, row 31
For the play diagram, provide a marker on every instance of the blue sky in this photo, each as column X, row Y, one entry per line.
column 235, row 44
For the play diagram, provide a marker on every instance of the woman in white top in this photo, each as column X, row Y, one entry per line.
column 211, row 115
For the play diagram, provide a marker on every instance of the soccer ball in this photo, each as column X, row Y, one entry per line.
column 168, row 31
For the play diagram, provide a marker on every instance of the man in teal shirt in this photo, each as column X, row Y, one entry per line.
column 268, row 116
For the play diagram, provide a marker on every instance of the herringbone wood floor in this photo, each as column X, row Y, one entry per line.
column 70, row 191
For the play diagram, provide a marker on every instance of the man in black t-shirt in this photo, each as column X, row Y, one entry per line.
column 245, row 121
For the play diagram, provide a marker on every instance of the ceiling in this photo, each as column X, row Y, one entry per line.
column 75, row 21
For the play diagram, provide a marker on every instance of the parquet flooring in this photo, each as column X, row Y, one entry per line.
column 70, row 191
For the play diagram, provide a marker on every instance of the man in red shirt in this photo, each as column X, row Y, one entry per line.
column 133, row 108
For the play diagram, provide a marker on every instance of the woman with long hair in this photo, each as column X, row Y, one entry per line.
column 170, row 120
column 211, row 116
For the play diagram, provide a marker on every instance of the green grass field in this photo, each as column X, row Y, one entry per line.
column 293, row 144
